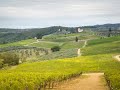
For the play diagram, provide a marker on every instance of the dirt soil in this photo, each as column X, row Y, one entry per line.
column 90, row 81
column 117, row 57
column 79, row 50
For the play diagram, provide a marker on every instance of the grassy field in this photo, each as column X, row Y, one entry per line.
column 70, row 37
column 67, row 53
column 68, row 49
column 97, row 57
column 20, row 43
column 72, row 44
column 38, row 72
column 65, row 41
column 46, row 44
column 103, row 46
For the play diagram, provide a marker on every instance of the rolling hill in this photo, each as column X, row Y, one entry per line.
column 45, row 70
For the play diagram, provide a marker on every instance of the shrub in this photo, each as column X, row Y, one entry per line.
column 10, row 58
column 1, row 63
column 76, row 39
column 55, row 48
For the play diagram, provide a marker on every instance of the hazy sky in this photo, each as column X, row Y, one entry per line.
column 42, row 13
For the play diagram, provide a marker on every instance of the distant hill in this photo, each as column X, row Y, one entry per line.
column 107, row 26
column 11, row 35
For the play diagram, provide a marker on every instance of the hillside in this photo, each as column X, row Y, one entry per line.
column 12, row 35
column 30, row 64
column 57, row 70
column 64, row 41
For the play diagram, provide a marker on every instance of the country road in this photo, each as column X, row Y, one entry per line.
column 37, row 41
column 79, row 50
column 90, row 81
column 117, row 57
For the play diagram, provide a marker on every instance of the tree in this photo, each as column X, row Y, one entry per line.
column 39, row 36
column 76, row 39
column 109, row 33
column 55, row 48
column 1, row 63
column 10, row 58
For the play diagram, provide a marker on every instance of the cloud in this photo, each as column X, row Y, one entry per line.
column 58, row 12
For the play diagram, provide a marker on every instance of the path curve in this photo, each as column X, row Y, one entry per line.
column 37, row 41
column 85, row 44
column 90, row 81
column 79, row 50
column 117, row 57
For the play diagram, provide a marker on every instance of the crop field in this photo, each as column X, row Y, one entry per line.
column 103, row 46
column 64, row 53
column 46, row 44
column 70, row 37
column 97, row 56
column 19, row 43
column 72, row 44
column 68, row 49
column 28, row 54
column 34, row 75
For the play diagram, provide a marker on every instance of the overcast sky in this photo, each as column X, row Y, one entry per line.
column 43, row 13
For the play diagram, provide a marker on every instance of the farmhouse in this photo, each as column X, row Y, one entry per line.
column 79, row 30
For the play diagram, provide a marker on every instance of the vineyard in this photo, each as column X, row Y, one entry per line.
column 47, row 74
column 103, row 46
column 19, row 43
column 25, row 53
column 97, row 56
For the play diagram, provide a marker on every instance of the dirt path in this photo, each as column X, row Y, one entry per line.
column 90, row 81
column 85, row 44
column 117, row 57
column 37, row 41
column 79, row 51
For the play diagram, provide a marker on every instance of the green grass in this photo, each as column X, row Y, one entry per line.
column 111, row 47
column 102, row 46
column 19, row 43
column 104, row 40
column 68, row 50
column 67, row 53
column 97, row 57
column 72, row 44
column 55, row 40
column 70, row 37
column 46, row 44
column 63, row 45
column 54, row 69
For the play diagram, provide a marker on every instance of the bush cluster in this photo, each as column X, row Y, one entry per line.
column 55, row 48
column 8, row 59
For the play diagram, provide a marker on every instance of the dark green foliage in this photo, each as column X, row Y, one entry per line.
column 109, row 34
column 12, row 35
column 67, row 53
column 39, row 36
column 55, row 48
column 9, row 58
column 76, row 39
column 1, row 63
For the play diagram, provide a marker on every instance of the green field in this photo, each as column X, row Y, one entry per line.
column 103, row 46
column 70, row 37
column 46, row 44
column 97, row 56
column 68, row 48
column 19, row 43
column 32, row 74
column 67, row 53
